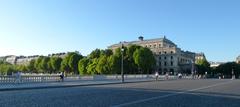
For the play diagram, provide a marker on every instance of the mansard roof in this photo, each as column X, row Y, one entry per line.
column 164, row 39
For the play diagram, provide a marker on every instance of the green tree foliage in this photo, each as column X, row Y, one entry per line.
column 73, row 62
column 6, row 69
column 145, row 60
column 31, row 67
column 98, row 62
column 37, row 64
column 55, row 63
column 64, row 64
column 82, row 66
column 95, row 54
column 202, row 66
column 106, row 52
column 103, row 66
column 91, row 68
column 227, row 68
column 115, row 61
column 21, row 68
column 44, row 64
column 131, row 67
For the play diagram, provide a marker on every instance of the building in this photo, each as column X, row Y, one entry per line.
column 24, row 60
column 199, row 56
column 61, row 55
column 11, row 59
column 238, row 59
column 215, row 64
column 169, row 57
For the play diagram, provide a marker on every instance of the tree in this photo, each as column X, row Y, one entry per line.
column 44, row 65
column 115, row 61
column 129, row 60
column 31, row 67
column 91, row 68
column 95, row 54
column 202, row 66
column 64, row 64
column 82, row 66
column 55, row 63
column 21, row 68
column 107, row 52
column 227, row 68
column 37, row 64
column 102, row 66
column 6, row 69
column 73, row 62
column 144, row 58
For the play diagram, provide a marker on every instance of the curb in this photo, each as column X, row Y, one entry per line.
column 66, row 86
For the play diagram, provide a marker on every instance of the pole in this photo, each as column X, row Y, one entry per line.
column 233, row 76
column 122, row 50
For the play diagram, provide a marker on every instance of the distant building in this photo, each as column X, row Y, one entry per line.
column 199, row 56
column 61, row 55
column 215, row 64
column 11, row 59
column 24, row 60
column 238, row 59
column 169, row 57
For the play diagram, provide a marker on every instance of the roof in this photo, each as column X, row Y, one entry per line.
column 164, row 39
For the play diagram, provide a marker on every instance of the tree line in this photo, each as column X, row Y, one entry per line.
column 226, row 69
column 136, row 60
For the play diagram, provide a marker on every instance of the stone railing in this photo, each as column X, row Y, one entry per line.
column 28, row 79
column 56, row 78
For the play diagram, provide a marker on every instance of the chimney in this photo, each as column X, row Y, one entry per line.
column 140, row 38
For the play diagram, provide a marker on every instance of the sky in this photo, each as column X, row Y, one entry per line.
column 41, row 27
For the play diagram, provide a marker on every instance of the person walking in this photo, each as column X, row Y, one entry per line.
column 62, row 76
column 156, row 75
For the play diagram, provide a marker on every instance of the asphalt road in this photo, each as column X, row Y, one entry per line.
column 174, row 93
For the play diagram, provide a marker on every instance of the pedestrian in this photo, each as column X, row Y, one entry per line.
column 18, row 77
column 179, row 75
column 62, row 76
column 156, row 75
column 166, row 76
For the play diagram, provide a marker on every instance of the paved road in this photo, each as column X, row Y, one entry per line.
column 174, row 93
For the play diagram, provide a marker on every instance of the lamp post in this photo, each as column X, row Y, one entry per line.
column 192, row 69
column 122, row 74
column 233, row 76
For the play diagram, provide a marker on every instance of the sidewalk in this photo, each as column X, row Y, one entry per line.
column 25, row 86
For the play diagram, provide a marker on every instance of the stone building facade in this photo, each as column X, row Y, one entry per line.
column 199, row 56
column 238, row 59
column 169, row 57
column 24, row 60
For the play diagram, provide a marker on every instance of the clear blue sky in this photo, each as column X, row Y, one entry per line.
column 29, row 27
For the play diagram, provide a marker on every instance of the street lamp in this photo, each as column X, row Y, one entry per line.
column 192, row 68
column 233, row 76
column 122, row 74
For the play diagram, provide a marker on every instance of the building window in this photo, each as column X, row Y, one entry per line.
column 150, row 46
column 165, row 63
column 160, row 52
column 165, row 52
column 160, row 63
column 160, row 45
column 171, row 63
column 154, row 46
column 165, row 57
column 171, row 52
column 160, row 58
column 172, row 57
